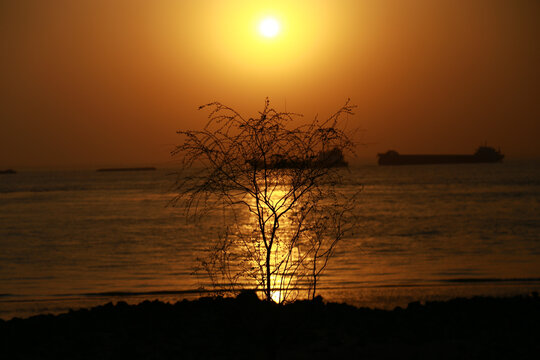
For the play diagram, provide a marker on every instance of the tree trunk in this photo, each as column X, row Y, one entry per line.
column 268, row 277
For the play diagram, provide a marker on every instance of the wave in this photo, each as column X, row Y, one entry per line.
column 418, row 233
column 46, row 189
column 9, row 298
column 144, row 293
column 18, row 298
column 490, row 280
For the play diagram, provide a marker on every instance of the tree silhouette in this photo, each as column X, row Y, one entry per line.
column 280, row 187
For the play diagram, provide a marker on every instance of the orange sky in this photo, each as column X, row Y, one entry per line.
column 103, row 82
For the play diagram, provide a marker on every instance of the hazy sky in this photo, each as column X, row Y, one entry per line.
column 105, row 82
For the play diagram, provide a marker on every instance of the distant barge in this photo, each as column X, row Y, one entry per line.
column 484, row 154
column 129, row 169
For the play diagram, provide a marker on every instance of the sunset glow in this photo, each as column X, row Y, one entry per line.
column 149, row 65
column 269, row 27
column 277, row 179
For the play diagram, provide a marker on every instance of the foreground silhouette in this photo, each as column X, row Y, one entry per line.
column 278, row 187
column 503, row 328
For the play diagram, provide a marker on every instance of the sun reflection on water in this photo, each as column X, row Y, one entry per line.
column 271, row 223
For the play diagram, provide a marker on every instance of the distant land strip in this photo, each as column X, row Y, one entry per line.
column 128, row 169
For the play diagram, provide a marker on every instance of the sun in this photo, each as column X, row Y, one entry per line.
column 269, row 27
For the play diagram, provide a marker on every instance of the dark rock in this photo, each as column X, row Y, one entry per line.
column 246, row 327
column 248, row 297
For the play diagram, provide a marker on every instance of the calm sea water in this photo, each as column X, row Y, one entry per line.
column 80, row 238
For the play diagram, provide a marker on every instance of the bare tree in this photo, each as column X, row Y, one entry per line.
column 280, row 186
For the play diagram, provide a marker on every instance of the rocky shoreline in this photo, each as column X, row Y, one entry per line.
column 245, row 327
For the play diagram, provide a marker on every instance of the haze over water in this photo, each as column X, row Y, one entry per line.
column 80, row 238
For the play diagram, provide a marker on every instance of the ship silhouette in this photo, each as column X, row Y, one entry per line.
column 484, row 154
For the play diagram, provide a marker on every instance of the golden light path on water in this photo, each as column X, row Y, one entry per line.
column 249, row 240
column 278, row 214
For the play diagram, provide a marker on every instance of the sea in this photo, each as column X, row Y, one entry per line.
column 76, row 239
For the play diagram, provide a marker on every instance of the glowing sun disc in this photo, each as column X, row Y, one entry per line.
column 269, row 27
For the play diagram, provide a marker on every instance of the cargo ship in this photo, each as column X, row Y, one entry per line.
column 484, row 154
